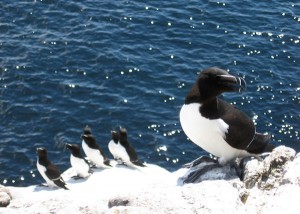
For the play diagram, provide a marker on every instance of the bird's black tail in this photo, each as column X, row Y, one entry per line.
column 60, row 182
column 107, row 162
column 138, row 163
column 261, row 144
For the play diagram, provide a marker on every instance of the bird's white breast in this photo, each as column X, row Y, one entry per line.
column 93, row 155
column 118, row 151
column 113, row 149
column 206, row 133
column 80, row 166
column 123, row 153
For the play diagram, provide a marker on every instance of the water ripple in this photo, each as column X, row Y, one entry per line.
column 67, row 64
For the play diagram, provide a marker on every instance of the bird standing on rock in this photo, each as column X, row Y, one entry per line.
column 217, row 126
column 114, row 146
column 78, row 163
column 49, row 171
column 92, row 150
column 125, row 152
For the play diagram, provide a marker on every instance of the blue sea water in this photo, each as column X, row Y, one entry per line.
column 111, row 64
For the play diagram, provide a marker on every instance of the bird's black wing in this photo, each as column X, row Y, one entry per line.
column 131, row 152
column 260, row 144
column 241, row 130
column 133, row 156
column 54, row 174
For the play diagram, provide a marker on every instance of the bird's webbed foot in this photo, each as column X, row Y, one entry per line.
column 121, row 162
column 196, row 174
column 200, row 160
column 77, row 177
column 93, row 166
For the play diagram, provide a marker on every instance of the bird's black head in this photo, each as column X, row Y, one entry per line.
column 87, row 130
column 74, row 148
column 88, row 139
column 41, row 152
column 115, row 136
column 212, row 82
column 123, row 136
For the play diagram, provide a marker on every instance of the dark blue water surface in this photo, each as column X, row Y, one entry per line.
column 106, row 64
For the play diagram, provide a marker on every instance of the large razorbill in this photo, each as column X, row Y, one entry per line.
column 217, row 126
column 49, row 171
column 92, row 150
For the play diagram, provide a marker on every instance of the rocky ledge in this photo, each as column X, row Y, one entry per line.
column 271, row 185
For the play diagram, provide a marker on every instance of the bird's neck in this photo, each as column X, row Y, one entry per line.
column 44, row 161
column 124, row 143
column 77, row 154
column 209, row 109
column 195, row 96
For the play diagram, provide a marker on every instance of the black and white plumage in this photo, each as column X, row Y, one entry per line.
column 217, row 126
column 125, row 151
column 49, row 171
column 78, row 163
column 114, row 146
column 92, row 150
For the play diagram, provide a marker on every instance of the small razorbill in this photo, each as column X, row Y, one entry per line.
column 78, row 163
column 49, row 171
column 114, row 146
column 125, row 151
column 92, row 150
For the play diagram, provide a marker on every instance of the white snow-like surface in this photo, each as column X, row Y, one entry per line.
column 92, row 194
column 152, row 189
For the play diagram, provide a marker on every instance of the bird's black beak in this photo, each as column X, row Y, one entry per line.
column 38, row 149
column 232, row 83
column 68, row 145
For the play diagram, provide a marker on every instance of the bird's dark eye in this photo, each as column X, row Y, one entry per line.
column 211, row 77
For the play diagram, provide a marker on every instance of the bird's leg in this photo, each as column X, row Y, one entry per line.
column 200, row 160
column 238, row 167
column 93, row 166
column 77, row 177
column 120, row 162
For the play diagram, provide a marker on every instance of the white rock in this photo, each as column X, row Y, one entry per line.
column 292, row 171
column 284, row 200
column 217, row 196
column 4, row 199
column 153, row 189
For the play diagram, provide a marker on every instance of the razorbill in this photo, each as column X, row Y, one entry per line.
column 217, row 126
column 78, row 163
column 92, row 150
column 114, row 146
column 49, row 171
column 125, row 151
